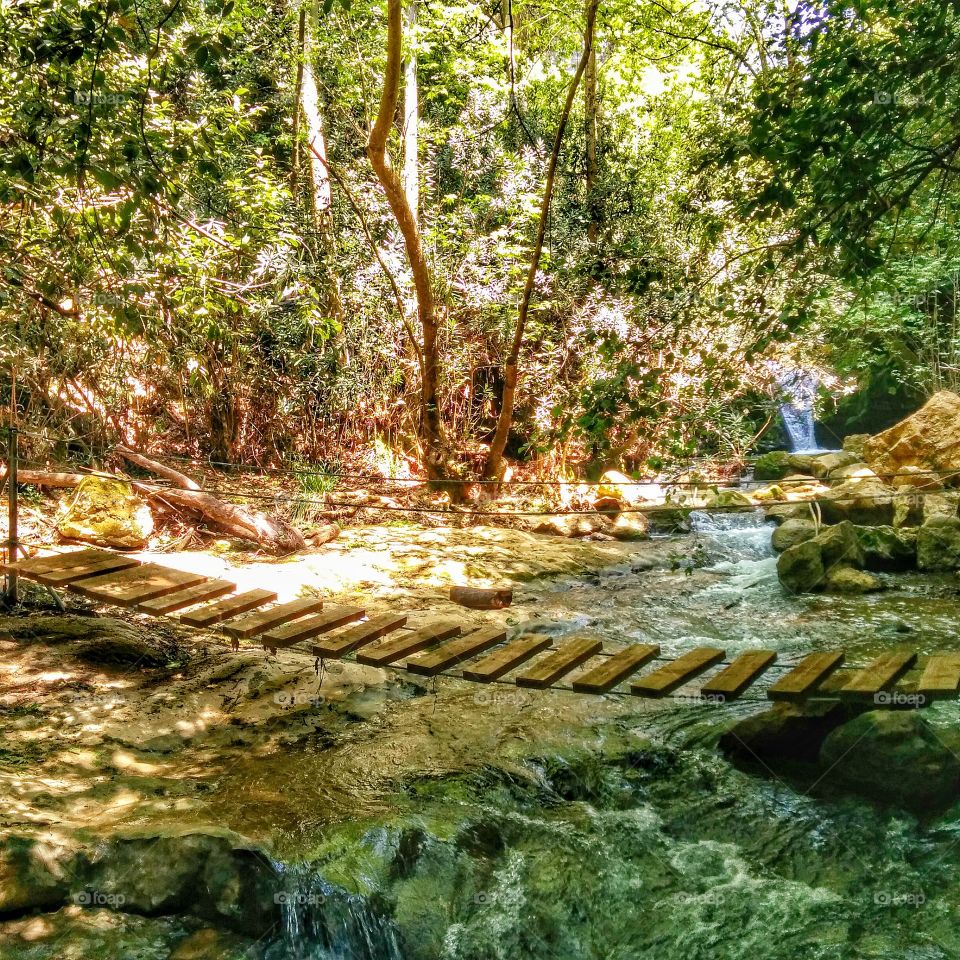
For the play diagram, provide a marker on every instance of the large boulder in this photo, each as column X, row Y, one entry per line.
column 839, row 545
column 854, row 443
column 866, row 501
column 888, row 548
column 786, row 734
column 893, row 755
column 791, row 532
column 724, row 499
column 618, row 486
column 108, row 513
column 928, row 439
column 938, row 544
column 800, row 568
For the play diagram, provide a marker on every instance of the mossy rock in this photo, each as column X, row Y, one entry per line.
column 938, row 544
column 888, row 548
column 800, row 568
column 791, row 532
column 843, row 579
column 107, row 513
column 772, row 466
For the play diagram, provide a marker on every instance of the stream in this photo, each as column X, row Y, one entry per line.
column 499, row 824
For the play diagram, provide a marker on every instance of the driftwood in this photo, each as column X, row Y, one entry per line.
column 177, row 478
column 482, row 598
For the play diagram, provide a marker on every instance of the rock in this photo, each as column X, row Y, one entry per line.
column 938, row 544
column 772, row 466
column 670, row 520
column 212, row 874
column 938, row 505
column 854, row 443
column 928, row 439
column 888, row 548
column 34, row 873
column 839, row 545
column 853, row 471
column 893, row 755
column 781, row 512
column 791, row 532
column 823, row 465
column 802, row 463
column 773, row 492
column 907, row 511
column 572, row 526
column 206, row 944
column 630, row 526
column 800, row 568
column 618, row 486
column 726, row 499
column 112, row 642
column 917, row 478
column 865, row 501
column 108, row 513
column 843, row 579
column 785, row 734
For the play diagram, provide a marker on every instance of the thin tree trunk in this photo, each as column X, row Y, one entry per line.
column 494, row 465
column 411, row 117
column 431, row 434
column 590, row 117
column 297, row 93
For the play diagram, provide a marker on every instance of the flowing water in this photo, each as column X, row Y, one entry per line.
column 797, row 413
column 629, row 835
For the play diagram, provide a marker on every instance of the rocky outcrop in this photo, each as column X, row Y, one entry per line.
column 34, row 873
column 928, row 439
column 896, row 756
column 938, row 544
column 106, row 512
column 772, row 466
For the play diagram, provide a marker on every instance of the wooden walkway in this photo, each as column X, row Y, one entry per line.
column 448, row 647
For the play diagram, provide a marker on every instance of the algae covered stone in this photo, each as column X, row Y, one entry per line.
column 108, row 513
column 772, row 466
column 938, row 544
column 800, row 568
column 791, row 532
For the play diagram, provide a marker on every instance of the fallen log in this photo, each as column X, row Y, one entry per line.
column 482, row 598
column 235, row 521
column 177, row 478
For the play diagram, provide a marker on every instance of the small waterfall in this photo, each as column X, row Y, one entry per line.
column 800, row 386
column 323, row 922
column 735, row 536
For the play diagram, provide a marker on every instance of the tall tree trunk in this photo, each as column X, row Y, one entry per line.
column 297, row 93
column 431, row 433
column 590, row 118
column 494, row 465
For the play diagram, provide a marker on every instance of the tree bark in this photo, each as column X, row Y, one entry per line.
column 494, row 465
column 431, row 433
column 590, row 118
column 168, row 473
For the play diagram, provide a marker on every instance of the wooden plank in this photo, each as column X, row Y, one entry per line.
column 341, row 644
column 617, row 668
column 878, row 676
column 399, row 647
column 230, row 607
column 85, row 569
column 733, row 680
column 291, row 633
column 940, row 679
column 456, row 651
column 551, row 668
column 56, row 561
column 253, row 623
column 806, row 677
column 496, row 664
column 671, row 675
column 129, row 587
column 202, row 592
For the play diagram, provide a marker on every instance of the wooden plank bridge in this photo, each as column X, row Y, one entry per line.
column 448, row 647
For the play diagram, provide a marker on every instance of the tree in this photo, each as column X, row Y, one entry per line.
column 494, row 465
